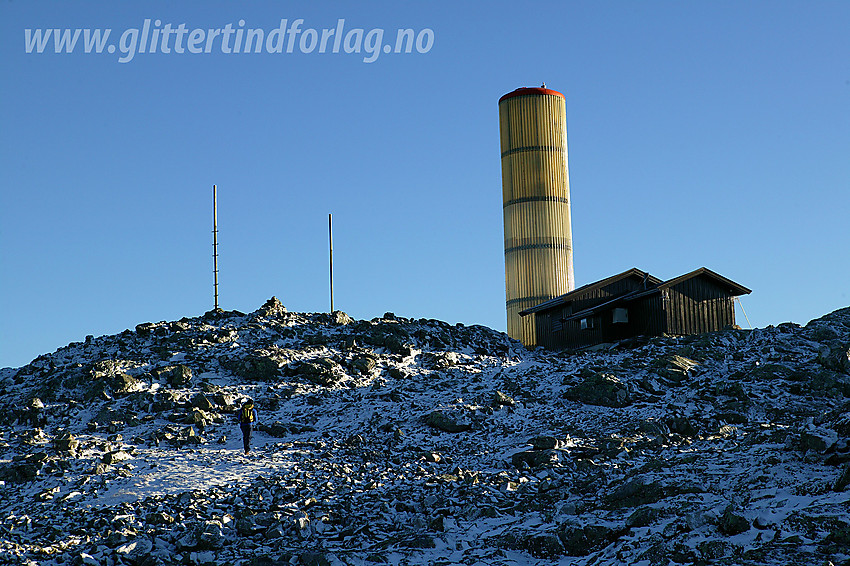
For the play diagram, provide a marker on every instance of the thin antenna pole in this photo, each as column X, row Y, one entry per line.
column 215, row 246
column 331, row 245
column 740, row 304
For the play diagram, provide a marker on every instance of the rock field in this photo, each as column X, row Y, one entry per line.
column 400, row 441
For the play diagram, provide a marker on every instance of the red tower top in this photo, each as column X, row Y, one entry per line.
column 522, row 91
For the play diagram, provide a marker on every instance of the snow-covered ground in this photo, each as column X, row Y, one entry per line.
column 398, row 441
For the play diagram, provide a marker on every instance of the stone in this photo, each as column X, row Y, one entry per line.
column 198, row 417
column 66, row 444
column 657, row 554
column 581, row 541
column 321, row 371
column 682, row 425
column 123, row 384
column 817, row 439
column 397, row 345
column 544, row 442
column 835, row 355
column 643, row 517
column 202, row 402
column 635, row 492
column 654, row 427
column 731, row 523
column 363, row 364
column 178, row 376
column 674, row 368
column 144, row 329
column 19, row 472
column 600, row 389
column 397, row 373
column 448, row 421
column 135, row 551
column 546, row 546
column 159, row 518
column 272, row 308
column 115, row 457
column 501, row 400
column 253, row 367
column 340, row 318
column 280, row 429
column 713, row 549
column 843, row 480
column 311, row 558
column 438, row 360
column 100, row 469
column 210, row 536
column 203, row 558
column 275, row 531
column 534, row 458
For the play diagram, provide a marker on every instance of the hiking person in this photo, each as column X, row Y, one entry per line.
column 247, row 416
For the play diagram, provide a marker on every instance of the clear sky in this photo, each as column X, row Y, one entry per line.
column 709, row 134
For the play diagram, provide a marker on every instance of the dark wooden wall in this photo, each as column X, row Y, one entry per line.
column 698, row 305
column 553, row 335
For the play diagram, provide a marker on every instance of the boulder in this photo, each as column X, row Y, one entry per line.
column 546, row 545
column 19, row 472
column 253, row 367
column 363, row 364
column 178, row 376
column 201, row 401
column 281, row 430
column 534, row 458
column 635, row 492
column 816, row 439
column 501, row 400
column 144, row 329
column 600, row 389
column 66, row 444
column 340, row 318
column 581, row 541
column 159, row 518
column 210, row 536
column 544, row 442
column 448, row 420
column 321, row 371
column 835, row 355
column 682, row 425
column 135, row 551
column 115, row 457
column 311, row 558
column 643, row 517
column 123, row 384
column 674, row 368
column 731, row 523
column 438, row 360
column 843, row 480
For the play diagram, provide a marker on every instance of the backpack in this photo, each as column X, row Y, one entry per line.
column 247, row 414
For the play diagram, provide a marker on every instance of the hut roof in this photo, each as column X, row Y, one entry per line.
column 734, row 289
column 583, row 290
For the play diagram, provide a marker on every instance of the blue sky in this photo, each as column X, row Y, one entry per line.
column 709, row 134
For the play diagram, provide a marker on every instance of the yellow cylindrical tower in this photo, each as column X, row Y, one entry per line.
column 536, row 200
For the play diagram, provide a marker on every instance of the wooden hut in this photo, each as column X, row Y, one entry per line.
column 635, row 303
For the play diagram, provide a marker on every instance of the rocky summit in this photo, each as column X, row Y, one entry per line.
column 401, row 441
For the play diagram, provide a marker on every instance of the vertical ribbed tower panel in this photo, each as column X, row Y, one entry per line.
column 536, row 200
